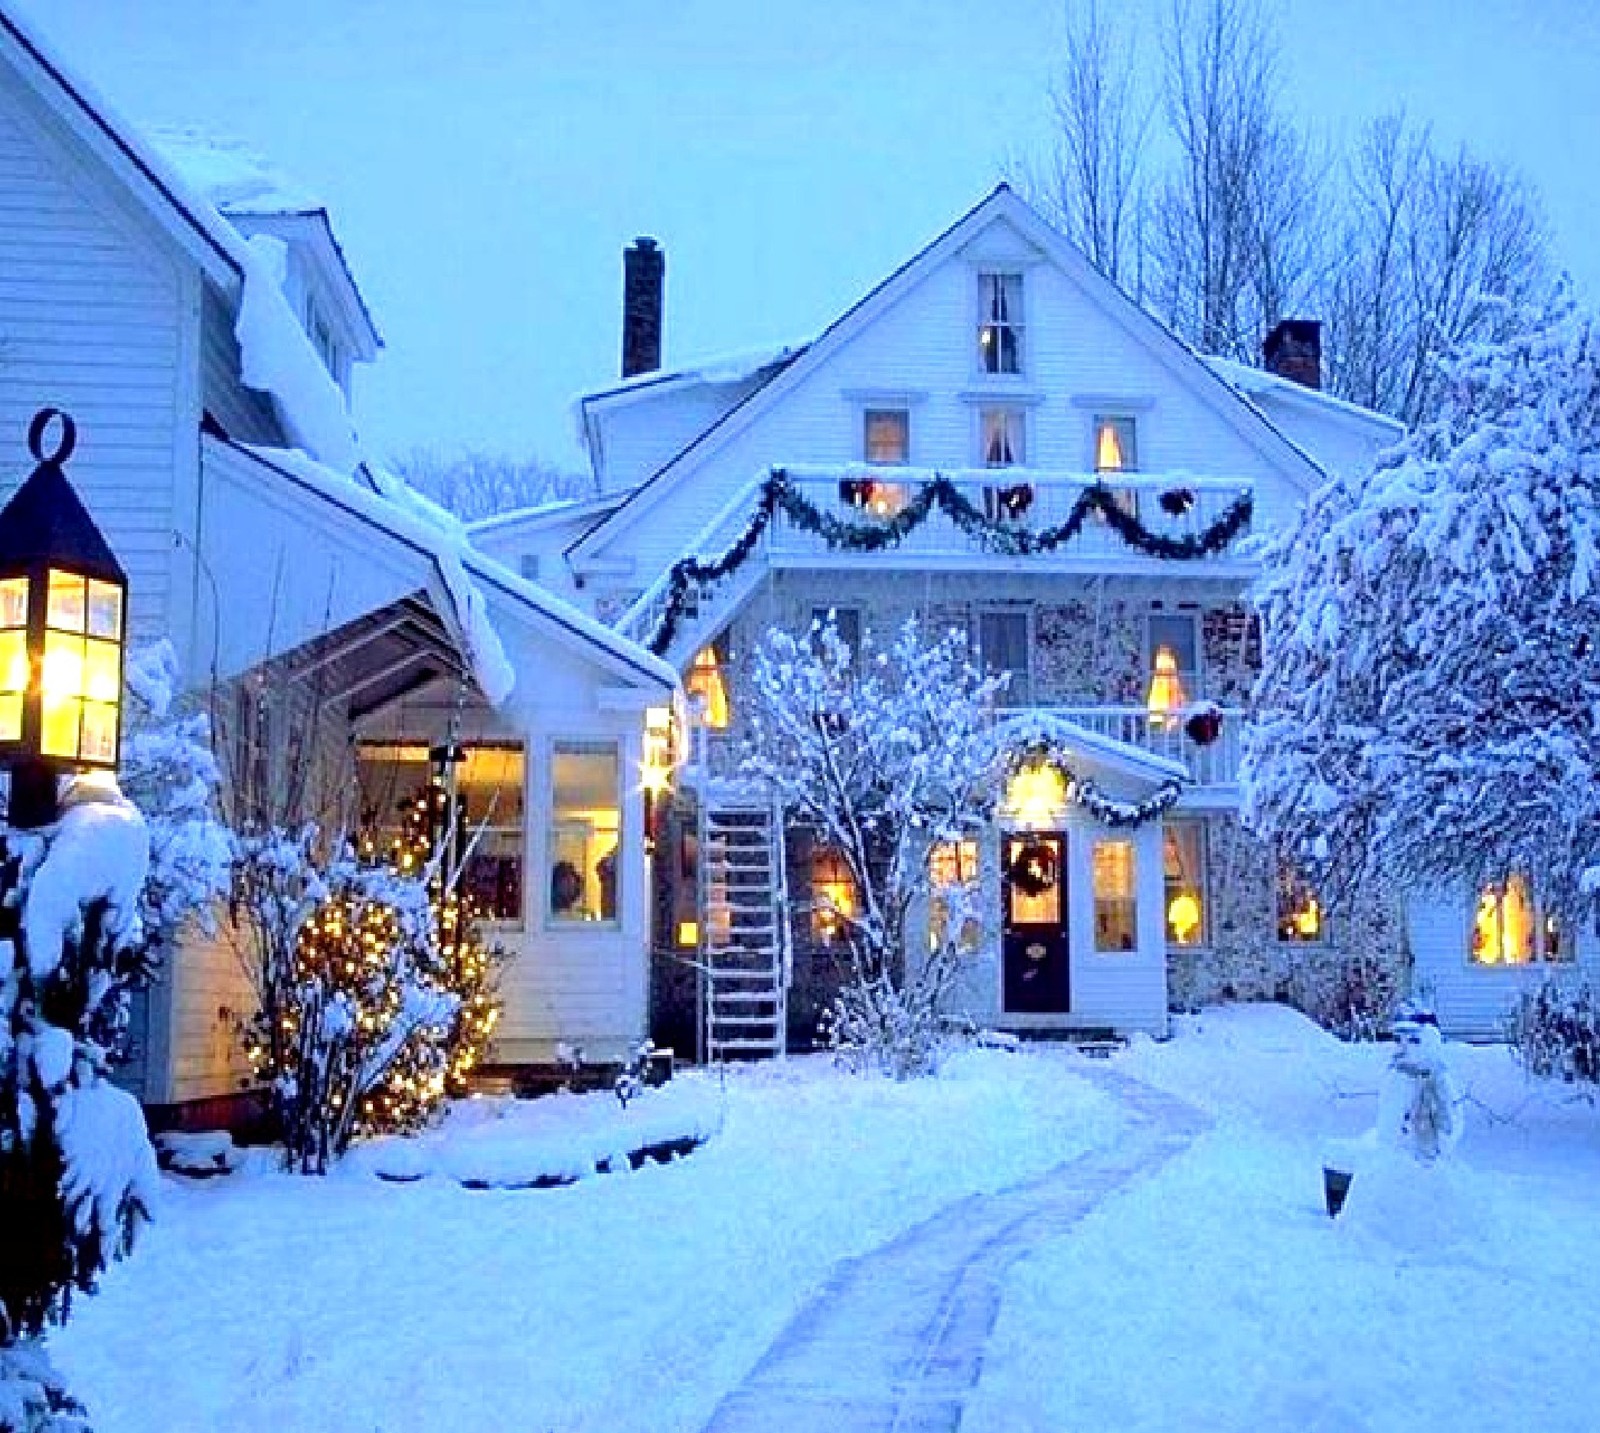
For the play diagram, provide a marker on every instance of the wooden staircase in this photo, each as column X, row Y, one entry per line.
column 747, row 965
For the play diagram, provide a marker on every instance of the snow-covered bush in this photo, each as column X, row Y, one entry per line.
column 77, row 1172
column 170, row 773
column 1350, row 993
column 1432, row 641
column 353, row 1025
column 883, row 754
column 1554, row 1031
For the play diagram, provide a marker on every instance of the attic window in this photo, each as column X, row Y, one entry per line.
column 1114, row 447
column 1000, row 323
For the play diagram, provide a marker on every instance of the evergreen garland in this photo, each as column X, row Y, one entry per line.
column 1082, row 792
column 778, row 493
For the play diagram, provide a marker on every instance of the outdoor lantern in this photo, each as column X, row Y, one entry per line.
column 63, row 625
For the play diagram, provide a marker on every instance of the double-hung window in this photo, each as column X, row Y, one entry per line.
column 1512, row 927
column 1000, row 323
column 1004, row 647
column 585, row 831
column 1172, row 672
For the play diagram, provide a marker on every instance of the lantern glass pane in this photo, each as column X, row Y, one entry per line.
column 14, row 661
column 101, row 674
column 65, row 610
column 99, row 733
column 11, row 717
column 14, row 602
column 62, row 677
column 105, row 609
column 59, row 728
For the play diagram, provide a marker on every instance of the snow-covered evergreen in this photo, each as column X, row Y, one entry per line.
column 883, row 754
column 1429, row 707
column 77, row 1172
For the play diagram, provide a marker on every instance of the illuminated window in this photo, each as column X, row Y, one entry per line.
column 585, row 827
column 1511, row 928
column 833, row 896
column 1174, row 667
column 873, row 496
column 707, row 689
column 952, row 864
column 1116, row 924
column 1300, row 917
column 1004, row 648
column 1114, row 449
column 486, row 829
column 1000, row 323
column 886, row 436
column 1184, row 882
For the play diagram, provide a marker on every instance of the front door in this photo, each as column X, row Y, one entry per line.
column 1035, row 970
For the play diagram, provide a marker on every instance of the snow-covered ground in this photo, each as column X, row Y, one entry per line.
column 623, row 1302
column 1220, row 1296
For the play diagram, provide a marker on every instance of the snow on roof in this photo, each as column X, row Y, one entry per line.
column 1254, row 383
column 556, row 511
column 716, row 370
column 1043, row 725
column 231, row 176
column 398, row 509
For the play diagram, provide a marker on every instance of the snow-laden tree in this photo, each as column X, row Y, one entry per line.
column 883, row 754
column 1429, row 706
column 77, row 1173
column 170, row 772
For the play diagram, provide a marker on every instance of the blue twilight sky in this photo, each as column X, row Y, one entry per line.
column 486, row 160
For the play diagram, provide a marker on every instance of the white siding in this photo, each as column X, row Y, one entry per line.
column 645, row 432
column 246, row 416
column 94, row 319
column 1472, row 1000
column 1078, row 354
column 1344, row 444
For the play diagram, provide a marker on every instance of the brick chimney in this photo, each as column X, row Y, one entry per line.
column 644, row 273
column 1293, row 350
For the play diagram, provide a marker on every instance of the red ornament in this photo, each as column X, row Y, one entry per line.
column 1204, row 726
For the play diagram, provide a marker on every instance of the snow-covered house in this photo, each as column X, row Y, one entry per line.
column 997, row 360
column 201, row 324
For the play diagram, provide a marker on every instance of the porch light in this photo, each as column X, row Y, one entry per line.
column 1183, row 918
column 1037, row 796
column 63, row 600
column 1167, row 696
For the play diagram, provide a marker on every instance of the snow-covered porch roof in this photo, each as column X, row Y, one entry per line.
column 1099, row 756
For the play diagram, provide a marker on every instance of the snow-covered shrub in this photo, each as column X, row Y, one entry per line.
column 353, row 1026
column 1350, row 993
column 1432, row 641
column 1554, row 1031
column 883, row 754
column 170, row 773
column 77, row 1172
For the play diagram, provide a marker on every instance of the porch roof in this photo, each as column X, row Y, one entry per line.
column 1037, row 726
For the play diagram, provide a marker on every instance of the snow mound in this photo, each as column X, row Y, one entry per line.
column 232, row 177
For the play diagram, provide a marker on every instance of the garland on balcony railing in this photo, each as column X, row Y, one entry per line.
column 872, row 534
column 1107, row 810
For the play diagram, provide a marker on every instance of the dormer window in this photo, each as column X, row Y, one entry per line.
column 886, row 436
column 1000, row 323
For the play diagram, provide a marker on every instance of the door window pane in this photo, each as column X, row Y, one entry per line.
column 1033, row 881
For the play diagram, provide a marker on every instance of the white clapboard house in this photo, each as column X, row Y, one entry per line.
column 998, row 359
column 201, row 325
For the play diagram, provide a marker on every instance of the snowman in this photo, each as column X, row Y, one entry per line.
column 1420, row 1106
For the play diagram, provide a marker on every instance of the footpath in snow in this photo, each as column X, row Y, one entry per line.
column 632, row 1301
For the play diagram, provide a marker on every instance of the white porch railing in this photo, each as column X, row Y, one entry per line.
column 1024, row 498
column 1214, row 764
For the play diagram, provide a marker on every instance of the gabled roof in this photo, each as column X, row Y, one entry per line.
column 148, row 174
column 1254, row 383
column 1000, row 202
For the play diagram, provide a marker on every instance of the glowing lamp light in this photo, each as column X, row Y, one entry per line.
column 688, row 934
column 1308, row 920
column 1166, row 697
column 1183, row 917
column 1037, row 796
column 63, row 628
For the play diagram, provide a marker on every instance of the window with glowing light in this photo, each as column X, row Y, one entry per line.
column 1511, row 927
column 1000, row 323
column 1173, row 649
column 467, row 813
column 585, row 831
column 886, row 436
column 1184, row 882
column 952, row 864
column 707, row 689
column 834, row 900
column 1300, row 917
column 1116, row 911
column 1114, row 445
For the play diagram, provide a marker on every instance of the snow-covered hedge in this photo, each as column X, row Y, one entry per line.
column 1554, row 1030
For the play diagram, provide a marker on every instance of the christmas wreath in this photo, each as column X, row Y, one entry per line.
column 1034, row 869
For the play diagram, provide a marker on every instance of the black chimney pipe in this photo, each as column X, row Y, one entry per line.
column 644, row 274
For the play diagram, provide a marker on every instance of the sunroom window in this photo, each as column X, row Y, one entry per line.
column 1184, row 879
column 1000, row 323
column 585, row 829
column 1511, row 927
column 952, row 864
column 1115, row 905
